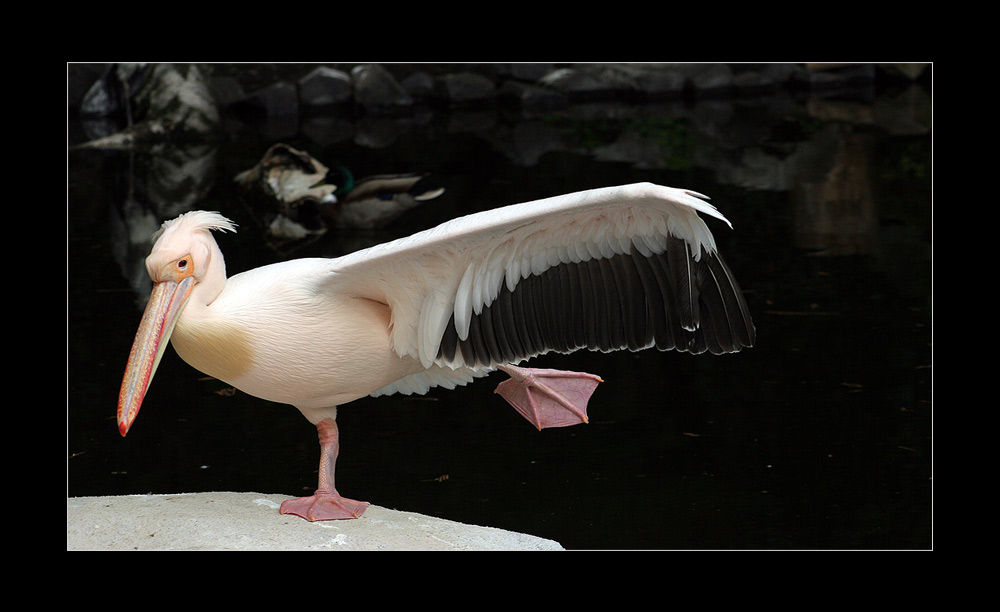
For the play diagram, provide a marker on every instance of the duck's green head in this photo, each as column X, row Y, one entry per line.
column 342, row 178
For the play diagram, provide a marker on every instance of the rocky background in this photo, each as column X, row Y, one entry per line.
column 292, row 89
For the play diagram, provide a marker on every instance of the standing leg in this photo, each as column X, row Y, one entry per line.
column 326, row 504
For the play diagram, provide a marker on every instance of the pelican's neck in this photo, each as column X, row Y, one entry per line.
column 196, row 335
column 213, row 282
column 209, row 338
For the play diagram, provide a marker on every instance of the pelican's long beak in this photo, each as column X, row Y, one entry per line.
column 165, row 304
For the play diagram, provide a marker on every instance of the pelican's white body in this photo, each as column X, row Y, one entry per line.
column 318, row 333
column 273, row 333
column 621, row 267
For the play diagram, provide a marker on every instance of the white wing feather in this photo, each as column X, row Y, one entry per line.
column 458, row 267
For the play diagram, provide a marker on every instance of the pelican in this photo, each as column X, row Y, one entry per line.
column 632, row 266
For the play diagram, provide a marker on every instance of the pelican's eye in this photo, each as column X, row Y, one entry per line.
column 183, row 267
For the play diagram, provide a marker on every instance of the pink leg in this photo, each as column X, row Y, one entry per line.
column 326, row 504
column 548, row 398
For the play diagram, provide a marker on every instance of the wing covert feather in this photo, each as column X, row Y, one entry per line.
column 439, row 282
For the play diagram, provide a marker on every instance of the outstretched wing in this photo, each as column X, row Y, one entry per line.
column 619, row 267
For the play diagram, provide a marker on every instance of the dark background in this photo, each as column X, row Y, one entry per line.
column 818, row 437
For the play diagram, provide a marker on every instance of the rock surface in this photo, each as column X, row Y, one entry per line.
column 251, row 521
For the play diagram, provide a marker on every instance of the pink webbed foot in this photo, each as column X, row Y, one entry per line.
column 548, row 398
column 324, row 506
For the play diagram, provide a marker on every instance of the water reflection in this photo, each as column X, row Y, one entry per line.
column 817, row 437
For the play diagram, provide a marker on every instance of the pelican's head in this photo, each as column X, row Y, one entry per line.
column 184, row 255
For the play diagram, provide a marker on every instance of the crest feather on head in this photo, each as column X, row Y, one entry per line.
column 194, row 221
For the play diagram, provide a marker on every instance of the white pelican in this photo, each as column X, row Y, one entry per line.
column 619, row 267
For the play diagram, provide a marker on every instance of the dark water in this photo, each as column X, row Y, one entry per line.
column 818, row 437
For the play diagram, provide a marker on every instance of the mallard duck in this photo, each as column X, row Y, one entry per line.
column 308, row 194
column 289, row 177
column 375, row 200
